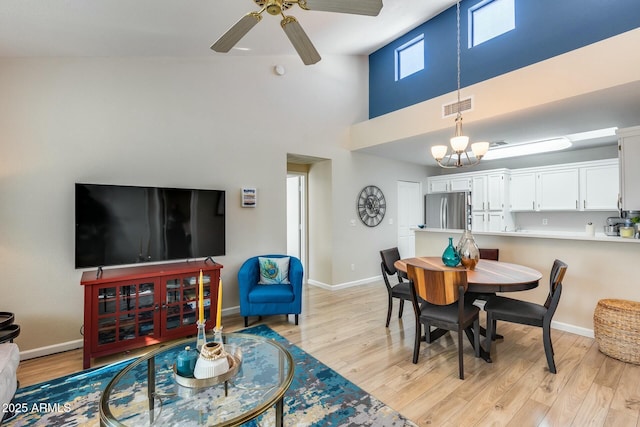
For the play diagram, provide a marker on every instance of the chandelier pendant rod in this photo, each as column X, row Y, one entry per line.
column 459, row 141
column 458, row 51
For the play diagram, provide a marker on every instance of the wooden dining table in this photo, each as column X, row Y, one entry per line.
column 487, row 277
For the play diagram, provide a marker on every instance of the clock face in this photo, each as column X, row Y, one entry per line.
column 371, row 206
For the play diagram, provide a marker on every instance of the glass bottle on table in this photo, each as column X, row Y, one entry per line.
column 468, row 250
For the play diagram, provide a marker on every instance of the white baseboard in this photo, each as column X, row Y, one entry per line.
column 230, row 310
column 344, row 285
column 573, row 329
column 50, row 349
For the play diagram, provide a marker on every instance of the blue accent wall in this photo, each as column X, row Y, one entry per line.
column 544, row 29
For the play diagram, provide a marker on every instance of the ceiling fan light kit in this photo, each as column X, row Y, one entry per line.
column 291, row 26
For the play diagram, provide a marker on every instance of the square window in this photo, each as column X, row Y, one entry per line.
column 409, row 58
column 489, row 19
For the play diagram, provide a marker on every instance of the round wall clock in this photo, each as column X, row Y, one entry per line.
column 371, row 206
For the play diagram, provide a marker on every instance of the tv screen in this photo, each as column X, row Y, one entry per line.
column 118, row 225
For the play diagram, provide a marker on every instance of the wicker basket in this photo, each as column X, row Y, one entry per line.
column 616, row 326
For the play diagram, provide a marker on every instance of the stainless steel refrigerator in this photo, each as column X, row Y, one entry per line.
column 448, row 210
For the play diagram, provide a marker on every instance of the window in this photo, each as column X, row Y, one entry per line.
column 409, row 58
column 489, row 19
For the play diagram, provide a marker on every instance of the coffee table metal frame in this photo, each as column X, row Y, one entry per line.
column 108, row 419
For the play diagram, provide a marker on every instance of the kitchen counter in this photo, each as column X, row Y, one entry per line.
column 540, row 234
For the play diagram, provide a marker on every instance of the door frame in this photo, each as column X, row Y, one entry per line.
column 302, row 208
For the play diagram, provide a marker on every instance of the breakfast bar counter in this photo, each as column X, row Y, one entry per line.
column 539, row 234
column 600, row 267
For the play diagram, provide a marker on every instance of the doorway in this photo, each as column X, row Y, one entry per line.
column 296, row 215
column 309, row 214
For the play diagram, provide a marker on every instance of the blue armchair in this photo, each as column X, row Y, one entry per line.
column 258, row 300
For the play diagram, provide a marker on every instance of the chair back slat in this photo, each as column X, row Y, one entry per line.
column 556, row 276
column 438, row 287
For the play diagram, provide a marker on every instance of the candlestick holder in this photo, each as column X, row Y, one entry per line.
column 217, row 336
column 201, row 337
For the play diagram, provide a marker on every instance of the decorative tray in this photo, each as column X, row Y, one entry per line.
column 234, row 357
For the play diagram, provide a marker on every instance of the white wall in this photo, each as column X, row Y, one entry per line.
column 218, row 123
column 367, row 170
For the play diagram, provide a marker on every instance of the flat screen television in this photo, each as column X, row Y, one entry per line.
column 117, row 225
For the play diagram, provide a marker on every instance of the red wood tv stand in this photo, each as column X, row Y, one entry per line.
column 132, row 307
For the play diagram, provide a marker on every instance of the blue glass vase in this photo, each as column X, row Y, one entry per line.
column 450, row 256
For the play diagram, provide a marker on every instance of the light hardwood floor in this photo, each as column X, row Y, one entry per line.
column 345, row 330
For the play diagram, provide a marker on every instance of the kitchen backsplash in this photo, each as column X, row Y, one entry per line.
column 561, row 221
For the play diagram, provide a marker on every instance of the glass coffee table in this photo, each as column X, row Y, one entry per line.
column 146, row 393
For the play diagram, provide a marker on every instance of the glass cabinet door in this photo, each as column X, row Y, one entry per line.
column 174, row 296
column 182, row 301
column 106, row 309
column 125, row 312
column 145, row 309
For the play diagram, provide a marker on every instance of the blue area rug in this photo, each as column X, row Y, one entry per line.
column 318, row 396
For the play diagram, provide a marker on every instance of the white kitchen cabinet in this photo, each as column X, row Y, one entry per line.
column 496, row 191
column 496, row 221
column 478, row 221
column 479, row 193
column 489, row 195
column 599, row 187
column 629, row 158
column 438, row 184
column 460, row 184
column 586, row 186
column 558, row 190
column 522, row 192
column 490, row 221
column 447, row 183
column 488, row 192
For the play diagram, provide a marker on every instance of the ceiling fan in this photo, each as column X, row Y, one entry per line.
column 290, row 25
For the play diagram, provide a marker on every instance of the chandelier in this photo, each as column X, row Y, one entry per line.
column 459, row 156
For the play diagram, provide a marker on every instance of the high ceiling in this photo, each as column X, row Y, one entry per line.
column 174, row 28
column 111, row 28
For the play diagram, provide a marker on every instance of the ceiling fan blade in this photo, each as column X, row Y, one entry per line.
column 300, row 40
column 235, row 33
column 358, row 7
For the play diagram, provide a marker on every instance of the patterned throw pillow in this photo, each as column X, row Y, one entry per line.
column 274, row 270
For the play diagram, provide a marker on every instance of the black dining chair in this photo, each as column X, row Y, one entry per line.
column 438, row 298
column 528, row 313
column 480, row 298
column 399, row 289
column 492, row 254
